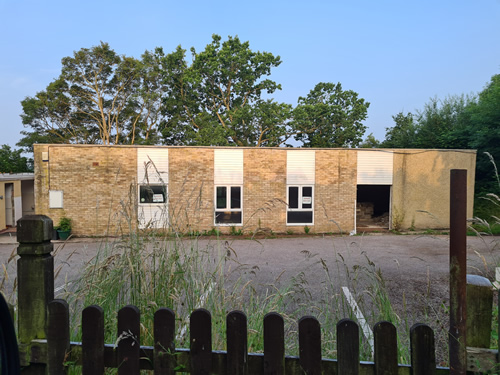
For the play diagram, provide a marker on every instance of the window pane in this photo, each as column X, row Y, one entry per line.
column 221, row 197
column 299, row 217
column 307, row 197
column 293, row 197
column 152, row 194
column 235, row 197
column 228, row 217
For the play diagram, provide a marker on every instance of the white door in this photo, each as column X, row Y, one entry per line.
column 9, row 205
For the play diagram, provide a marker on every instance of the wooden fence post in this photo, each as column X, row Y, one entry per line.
column 57, row 337
column 35, row 275
column 479, row 311
column 348, row 347
column 274, row 344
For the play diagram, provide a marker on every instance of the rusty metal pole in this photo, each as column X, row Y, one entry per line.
column 458, row 271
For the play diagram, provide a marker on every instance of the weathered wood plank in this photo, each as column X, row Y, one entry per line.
column 200, row 338
column 57, row 336
column 348, row 347
column 386, row 349
column 482, row 360
column 237, row 343
column 164, row 336
column 93, row 340
column 255, row 360
column 274, row 344
column 128, row 340
column 423, row 351
column 310, row 345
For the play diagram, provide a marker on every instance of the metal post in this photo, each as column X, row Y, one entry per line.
column 458, row 264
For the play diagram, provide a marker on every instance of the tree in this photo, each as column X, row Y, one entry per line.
column 401, row 135
column 330, row 117
column 439, row 121
column 370, row 142
column 11, row 161
column 217, row 100
column 99, row 97
column 483, row 133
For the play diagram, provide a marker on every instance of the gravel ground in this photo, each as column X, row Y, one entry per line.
column 415, row 268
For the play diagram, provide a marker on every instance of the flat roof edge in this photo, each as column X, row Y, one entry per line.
column 255, row 147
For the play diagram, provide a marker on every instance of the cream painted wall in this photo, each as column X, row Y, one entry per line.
column 421, row 186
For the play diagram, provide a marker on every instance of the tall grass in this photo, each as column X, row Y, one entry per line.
column 184, row 273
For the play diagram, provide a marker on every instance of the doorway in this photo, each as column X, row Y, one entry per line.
column 373, row 204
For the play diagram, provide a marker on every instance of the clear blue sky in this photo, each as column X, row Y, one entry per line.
column 395, row 54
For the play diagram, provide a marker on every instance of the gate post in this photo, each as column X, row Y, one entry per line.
column 479, row 311
column 35, row 276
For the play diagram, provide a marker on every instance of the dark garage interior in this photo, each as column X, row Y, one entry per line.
column 372, row 208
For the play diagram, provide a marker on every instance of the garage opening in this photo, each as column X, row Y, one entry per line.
column 373, row 207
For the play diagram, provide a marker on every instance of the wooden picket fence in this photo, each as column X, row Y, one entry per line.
column 129, row 357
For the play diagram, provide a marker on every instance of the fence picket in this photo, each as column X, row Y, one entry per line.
column 274, row 344
column 200, row 337
column 310, row 345
column 164, row 335
column 93, row 340
column 422, row 347
column 348, row 347
column 128, row 340
column 57, row 336
column 386, row 349
column 237, row 343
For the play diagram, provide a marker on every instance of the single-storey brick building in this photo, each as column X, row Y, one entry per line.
column 16, row 198
column 112, row 189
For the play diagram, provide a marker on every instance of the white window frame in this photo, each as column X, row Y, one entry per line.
column 165, row 186
column 228, row 205
column 300, row 203
column 153, row 214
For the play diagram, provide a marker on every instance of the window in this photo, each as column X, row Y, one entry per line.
column 155, row 194
column 228, row 205
column 300, row 205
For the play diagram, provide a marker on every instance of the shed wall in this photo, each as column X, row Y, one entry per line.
column 421, row 188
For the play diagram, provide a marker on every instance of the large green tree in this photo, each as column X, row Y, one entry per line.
column 458, row 122
column 221, row 97
column 330, row 117
column 401, row 135
column 218, row 99
column 482, row 131
column 440, row 124
column 99, row 97
column 12, row 161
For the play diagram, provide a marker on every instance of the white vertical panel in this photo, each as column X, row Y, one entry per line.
column 228, row 167
column 18, row 208
column 300, row 167
column 152, row 165
column 55, row 199
column 375, row 167
column 153, row 216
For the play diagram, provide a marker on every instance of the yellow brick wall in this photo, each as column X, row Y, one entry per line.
column 99, row 185
column 191, row 189
column 335, row 191
column 264, row 189
column 96, row 184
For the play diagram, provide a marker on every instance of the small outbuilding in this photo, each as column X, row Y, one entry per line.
column 108, row 190
column 17, row 198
